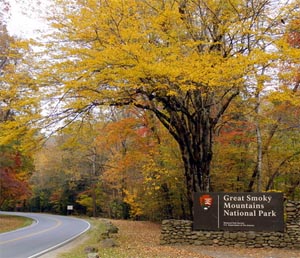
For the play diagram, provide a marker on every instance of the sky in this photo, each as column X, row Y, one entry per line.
column 25, row 26
column 22, row 25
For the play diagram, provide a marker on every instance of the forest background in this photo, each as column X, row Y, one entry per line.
column 124, row 108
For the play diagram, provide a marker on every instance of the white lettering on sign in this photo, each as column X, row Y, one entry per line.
column 229, row 198
column 263, row 198
column 271, row 213
column 234, row 205
column 238, row 213
column 230, row 205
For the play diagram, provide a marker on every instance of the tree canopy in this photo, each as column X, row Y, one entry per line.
column 185, row 61
column 219, row 75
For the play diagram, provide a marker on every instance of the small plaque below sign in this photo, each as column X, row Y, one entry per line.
column 238, row 211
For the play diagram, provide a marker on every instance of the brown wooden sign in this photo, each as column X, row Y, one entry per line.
column 238, row 211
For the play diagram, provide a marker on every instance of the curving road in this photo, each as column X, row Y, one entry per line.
column 45, row 234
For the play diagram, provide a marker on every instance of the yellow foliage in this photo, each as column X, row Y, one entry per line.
column 129, row 40
column 131, row 200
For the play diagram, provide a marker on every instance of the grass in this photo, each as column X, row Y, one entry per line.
column 94, row 237
column 9, row 223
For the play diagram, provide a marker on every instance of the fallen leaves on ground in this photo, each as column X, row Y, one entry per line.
column 140, row 239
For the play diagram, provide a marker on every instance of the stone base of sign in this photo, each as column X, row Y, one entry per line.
column 181, row 232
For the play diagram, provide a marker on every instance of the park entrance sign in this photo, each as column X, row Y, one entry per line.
column 238, row 211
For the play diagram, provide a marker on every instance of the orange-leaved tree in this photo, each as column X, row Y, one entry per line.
column 14, row 186
column 143, row 167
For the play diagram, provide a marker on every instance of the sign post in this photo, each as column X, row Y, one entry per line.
column 69, row 209
column 238, row 211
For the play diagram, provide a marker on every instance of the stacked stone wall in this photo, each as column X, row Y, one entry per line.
column 181, row 232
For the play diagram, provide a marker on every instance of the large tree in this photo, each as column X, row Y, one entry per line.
column 185, row 61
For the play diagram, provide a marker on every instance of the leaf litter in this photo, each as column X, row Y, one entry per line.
column 140, row 239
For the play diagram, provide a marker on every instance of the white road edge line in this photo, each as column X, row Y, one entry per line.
column 63, row 243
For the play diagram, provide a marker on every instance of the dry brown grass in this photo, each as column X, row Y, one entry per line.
column 8, row 223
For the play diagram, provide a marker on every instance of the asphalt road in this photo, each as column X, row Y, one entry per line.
column 47, row 233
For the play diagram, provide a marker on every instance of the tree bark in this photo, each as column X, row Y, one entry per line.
column 191, row 120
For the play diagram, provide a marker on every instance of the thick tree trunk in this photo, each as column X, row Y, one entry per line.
column 191, row 118
column 196, row 151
